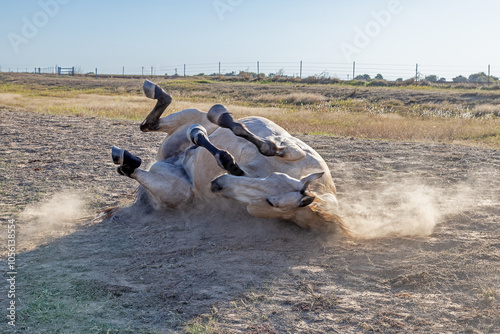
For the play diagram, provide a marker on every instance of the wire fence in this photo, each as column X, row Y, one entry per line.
column 300, row 69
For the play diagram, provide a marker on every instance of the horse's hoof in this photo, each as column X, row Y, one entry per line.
column 149, row 89
column 125, row 159
column 117, row 155
column 216, row 112
column 125, row 170
column 195, row 130
column 153, row 91
column 119, row 170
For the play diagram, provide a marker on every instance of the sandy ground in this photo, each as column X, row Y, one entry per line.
column 427, row 259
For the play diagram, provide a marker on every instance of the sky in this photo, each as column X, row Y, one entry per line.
column 445, row 37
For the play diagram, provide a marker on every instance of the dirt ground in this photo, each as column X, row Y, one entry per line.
column 188, row 272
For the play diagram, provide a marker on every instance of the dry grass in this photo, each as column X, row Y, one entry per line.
column 376, row 113
column 293, row 98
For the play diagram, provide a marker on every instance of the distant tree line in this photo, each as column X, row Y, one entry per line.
column 480, row 77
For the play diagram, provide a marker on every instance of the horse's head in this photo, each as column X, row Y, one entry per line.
column 276, row 196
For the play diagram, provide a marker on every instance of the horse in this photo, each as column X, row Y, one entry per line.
column 211, row 158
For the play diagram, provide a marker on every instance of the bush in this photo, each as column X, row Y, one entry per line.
column 377, row 83
column 365, row 77
column 431, row 78
column 478, row 77
column 460, row 78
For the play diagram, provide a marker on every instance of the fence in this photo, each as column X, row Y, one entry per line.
column 300, row 69
column 66, row 70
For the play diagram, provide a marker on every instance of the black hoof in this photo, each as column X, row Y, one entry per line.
column 153, row 91
column 216, row 112
column 127, row 161
column 125, row 170
column 194, row 131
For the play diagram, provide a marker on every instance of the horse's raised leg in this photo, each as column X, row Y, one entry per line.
column 166, row 183
column 153, row 91
column 219, row 115
column 198, row 136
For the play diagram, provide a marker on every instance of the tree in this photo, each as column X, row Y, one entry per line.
column 399, row 79
column 379, row 77
column 478, row 77
column 431, row 78
column 442, row 79
column 460, row 78
column 365, row 77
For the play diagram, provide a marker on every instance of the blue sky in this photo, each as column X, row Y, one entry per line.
column 445, row 37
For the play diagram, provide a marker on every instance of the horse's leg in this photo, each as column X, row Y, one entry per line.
column 198, row 136
column 153, row 91
column 219, row 115
column 166, row 183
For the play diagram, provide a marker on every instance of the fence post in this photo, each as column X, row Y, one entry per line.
column 151, row 71
column 416, row 72
column 219, row 68
column 123, row 70
column 258, row 69
column 96, row 72
column 300, row 76
column 353, row 70
column 184, row 69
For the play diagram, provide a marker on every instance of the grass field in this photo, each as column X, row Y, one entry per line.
column 402, row 113
column 203, row 272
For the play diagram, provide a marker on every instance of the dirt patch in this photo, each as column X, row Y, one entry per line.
column 159, row 273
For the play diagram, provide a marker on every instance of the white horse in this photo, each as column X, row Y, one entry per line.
column 209, row 158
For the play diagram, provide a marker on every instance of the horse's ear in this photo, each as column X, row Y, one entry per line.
column 308, row 179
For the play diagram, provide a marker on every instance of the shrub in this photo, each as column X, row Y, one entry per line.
column 460, row 78
column 377, row 83
column 431, row 78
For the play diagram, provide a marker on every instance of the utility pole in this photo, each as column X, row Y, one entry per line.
column 151, row 71
column 489, row 74
column 300, row 76
column 184, row 69
column 143, row 71
column 258, row 69
column 416, row 72
column 123, row 70
column 219, row 68
column 96, row 72
column 353, row 70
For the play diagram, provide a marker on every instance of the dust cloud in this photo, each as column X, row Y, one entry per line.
column 403, row 208
column 58, row 215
